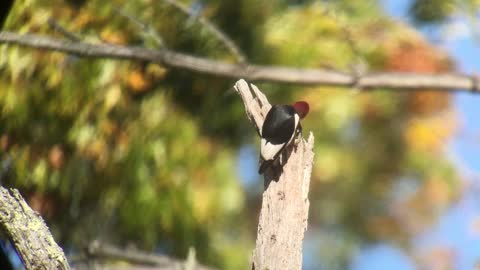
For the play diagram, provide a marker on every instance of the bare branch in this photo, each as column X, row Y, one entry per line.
column 284, row 213
column 29, row 234
column 138, row 258
column 229, row 44
column 55, row 25
column 391, row 80
column 359, row 65
column 124, row 267
column 147, row 30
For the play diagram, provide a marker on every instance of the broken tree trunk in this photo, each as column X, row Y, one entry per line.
column 284, row 213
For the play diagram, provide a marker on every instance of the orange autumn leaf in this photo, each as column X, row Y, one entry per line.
column 56, row 157
column 138, row 82
column 416, row 55
column 428, row 102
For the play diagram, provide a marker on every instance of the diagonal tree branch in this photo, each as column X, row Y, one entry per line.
column 38, row 250
column 228, row 43
column 71, row 36
column 147, row 30
column 29, row 234
column 391, row 80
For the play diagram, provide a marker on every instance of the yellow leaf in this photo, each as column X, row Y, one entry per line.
column 432, row 133
column 113, row 37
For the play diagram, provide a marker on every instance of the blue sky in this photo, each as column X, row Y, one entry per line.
column 455, row 230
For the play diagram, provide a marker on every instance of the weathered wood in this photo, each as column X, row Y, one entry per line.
column 284, row 214
column 29, row 233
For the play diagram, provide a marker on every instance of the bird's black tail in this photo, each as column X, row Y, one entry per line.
column 264, row 164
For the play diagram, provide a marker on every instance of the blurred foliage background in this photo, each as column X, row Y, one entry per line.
column 140, row 154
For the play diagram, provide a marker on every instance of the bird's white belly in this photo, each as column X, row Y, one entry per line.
column 269, row 150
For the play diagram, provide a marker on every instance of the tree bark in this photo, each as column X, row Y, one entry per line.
column 29, row 233
column 284, row 212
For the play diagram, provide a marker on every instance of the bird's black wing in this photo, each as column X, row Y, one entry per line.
column 279, row 124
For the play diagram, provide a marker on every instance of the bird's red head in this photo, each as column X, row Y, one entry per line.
column 302, row 108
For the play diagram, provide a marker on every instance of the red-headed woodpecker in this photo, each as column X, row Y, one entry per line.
column 280, row 127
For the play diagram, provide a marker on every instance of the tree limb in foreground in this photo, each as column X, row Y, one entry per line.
column 391, row 80
column 38, row 250
column 284, row 213
column 29, row 234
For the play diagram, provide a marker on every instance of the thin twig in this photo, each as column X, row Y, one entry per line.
column 227, row 41
column 347, row 35
column 390, row 80
column 109, row 252
column 146, row 29
column 359, row 66
column 55, row 25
